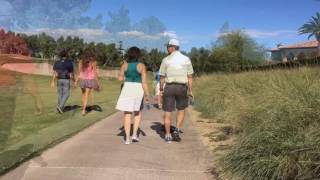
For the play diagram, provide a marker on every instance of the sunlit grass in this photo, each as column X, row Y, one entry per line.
column 277, row 117
column 29, row 122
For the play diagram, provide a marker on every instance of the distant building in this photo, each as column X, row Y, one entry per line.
column 301, row 50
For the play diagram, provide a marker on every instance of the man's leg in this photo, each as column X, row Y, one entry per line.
column 65, row 93
column 60, row 94
column 168, row 107
column 180, row 118
column 167, row 123
column 181, row 105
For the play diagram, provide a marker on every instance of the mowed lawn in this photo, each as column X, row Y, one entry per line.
column 29, row 122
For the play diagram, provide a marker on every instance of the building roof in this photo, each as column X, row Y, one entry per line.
column 306, row 44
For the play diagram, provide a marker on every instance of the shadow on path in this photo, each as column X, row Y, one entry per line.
column 123, row 134
column 159, row 129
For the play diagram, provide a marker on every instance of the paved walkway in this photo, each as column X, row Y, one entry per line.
column 98, row 153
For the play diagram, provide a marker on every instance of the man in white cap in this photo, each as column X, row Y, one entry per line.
column 176, row 72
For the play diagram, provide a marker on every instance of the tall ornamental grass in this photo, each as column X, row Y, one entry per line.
column 277, row 119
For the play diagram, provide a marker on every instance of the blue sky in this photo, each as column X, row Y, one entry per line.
column 196, row 23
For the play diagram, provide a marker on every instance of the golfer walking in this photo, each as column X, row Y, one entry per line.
column 176, row 74
column 62, row 73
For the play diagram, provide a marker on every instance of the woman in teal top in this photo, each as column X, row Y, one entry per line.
column 134, row 75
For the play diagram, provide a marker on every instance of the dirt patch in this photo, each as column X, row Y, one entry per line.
column 217, row 137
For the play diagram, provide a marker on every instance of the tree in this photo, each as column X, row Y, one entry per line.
column 312, row 28
column 11, row 43
column 235, row 50
column 47, row 46
column 200, row 60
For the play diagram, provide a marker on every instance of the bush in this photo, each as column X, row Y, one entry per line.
column 278, row 119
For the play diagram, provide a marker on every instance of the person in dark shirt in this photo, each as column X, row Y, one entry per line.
column 62, row 74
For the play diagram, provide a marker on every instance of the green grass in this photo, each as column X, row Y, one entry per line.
column 24, row 132
column 277, row 119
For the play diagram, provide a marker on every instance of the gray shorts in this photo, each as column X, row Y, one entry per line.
column 175, row 96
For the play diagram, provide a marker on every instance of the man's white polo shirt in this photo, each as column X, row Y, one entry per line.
column 176, row 67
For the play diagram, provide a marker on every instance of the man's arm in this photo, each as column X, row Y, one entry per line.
column 190, row 81
column 162, row 80
column 71, row 71
column 162, row 72
column 190, row 77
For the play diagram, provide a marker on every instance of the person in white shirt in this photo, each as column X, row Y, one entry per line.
column 176, row 73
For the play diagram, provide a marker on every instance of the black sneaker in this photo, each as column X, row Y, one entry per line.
column 175, row 136
column 135, row 139
column 168, row 138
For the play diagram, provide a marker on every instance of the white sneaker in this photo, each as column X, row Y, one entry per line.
column 127, row 142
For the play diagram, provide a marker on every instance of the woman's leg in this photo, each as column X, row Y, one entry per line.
column 85, row 94
column 127, row 124
column 91, row 98
column 137, row 120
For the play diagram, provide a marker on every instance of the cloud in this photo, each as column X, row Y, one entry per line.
column 131, row 33
column 119, row 21
column 88, row 35
column 32, row 14
column 260, row 34
column 149, row 25
column 171, row 34
column 5, row 9
column 129, row 38
column 65, row 18
column 269, row 34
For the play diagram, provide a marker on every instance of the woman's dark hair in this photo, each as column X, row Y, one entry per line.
column 63, row 53
column 86, row 57
column 133, row 54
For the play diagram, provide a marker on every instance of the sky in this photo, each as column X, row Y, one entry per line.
column 150, row 23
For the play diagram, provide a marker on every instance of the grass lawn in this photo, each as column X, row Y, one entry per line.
column 29, row 122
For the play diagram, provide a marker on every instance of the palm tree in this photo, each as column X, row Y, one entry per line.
column 312, row 28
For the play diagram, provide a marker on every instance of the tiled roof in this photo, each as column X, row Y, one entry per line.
column 306, row 44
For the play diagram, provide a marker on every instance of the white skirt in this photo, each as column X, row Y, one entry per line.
column 130, row 98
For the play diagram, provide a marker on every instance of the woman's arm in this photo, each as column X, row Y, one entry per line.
column 143, row 72
column 54, row 78
column 95, row 71
column 78, row 73
column 122, row 70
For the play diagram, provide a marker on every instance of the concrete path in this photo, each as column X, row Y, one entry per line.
column 98, row 153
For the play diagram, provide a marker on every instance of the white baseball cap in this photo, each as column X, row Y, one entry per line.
column 173, row 42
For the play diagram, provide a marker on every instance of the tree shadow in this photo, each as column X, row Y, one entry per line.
column 123, row 133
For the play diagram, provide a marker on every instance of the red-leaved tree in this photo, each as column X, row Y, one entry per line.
column 11, row 43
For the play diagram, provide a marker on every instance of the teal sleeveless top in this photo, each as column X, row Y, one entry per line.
column 132, row 74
